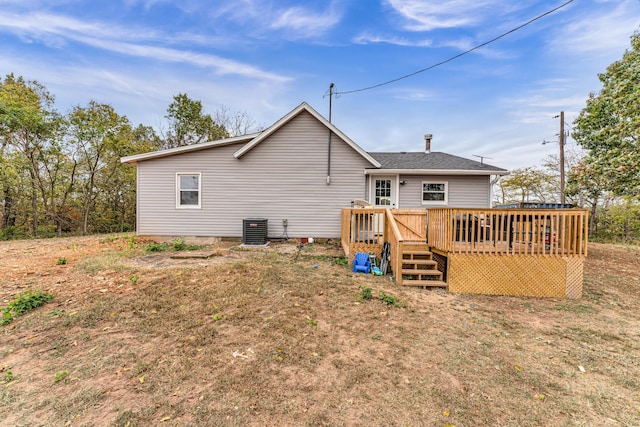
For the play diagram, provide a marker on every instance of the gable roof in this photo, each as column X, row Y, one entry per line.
column 432, row 163
column 287, row 118
column 252, row 140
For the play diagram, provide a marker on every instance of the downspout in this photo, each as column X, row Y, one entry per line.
column 330, row 134
column 138, row 198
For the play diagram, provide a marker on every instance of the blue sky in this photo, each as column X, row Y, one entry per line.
column 265, row 57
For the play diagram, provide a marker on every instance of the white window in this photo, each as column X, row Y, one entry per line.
column 188, row 194
column 383, row 192
column 434, row 193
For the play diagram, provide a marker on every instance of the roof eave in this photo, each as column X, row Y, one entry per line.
column 382, row 171
column 188, row 148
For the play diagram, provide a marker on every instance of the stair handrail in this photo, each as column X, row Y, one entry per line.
column 396, row 243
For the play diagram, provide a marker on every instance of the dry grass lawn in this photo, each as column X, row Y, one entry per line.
column 271, row 337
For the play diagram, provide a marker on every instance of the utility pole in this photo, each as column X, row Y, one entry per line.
column 562, row 141
column 562, row 157
column 331, row 86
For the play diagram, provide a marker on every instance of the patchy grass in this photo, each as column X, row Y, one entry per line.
column 24, row 302
column 264, row 338
column 178, row 244
column 110, row 261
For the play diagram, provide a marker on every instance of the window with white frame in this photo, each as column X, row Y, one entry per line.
column 434, row 193
column 188, row 194
column 383, row 192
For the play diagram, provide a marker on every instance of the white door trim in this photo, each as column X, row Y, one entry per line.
column 395, row 190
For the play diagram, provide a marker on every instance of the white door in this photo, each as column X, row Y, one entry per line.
column 383, row 192
column 383, row 195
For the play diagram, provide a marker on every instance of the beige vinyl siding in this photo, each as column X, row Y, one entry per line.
column 463, row 191
column 284, row 177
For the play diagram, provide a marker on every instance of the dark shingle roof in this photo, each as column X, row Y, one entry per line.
column 433, row 160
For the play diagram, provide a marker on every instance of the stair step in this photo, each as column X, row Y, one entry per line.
column 416, row 252
column 425, row 283
column 415, row 272
column 416, row 257
column 416, row 246
column 419, row 261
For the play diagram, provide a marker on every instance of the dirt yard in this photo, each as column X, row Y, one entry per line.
column 282, row 336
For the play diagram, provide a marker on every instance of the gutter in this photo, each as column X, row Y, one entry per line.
column 187, row 148
column 499, row 173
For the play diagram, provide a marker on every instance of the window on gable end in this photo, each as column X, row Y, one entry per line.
column 188, row 194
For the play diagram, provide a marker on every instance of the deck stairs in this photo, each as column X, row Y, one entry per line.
column 419, row 268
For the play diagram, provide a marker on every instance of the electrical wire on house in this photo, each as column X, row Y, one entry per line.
column 285, row 234
column 531, row 21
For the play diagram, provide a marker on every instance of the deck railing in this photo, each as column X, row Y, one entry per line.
column 554, row 232
column 364, row 225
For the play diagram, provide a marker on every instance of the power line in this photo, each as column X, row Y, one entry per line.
column 458, row 55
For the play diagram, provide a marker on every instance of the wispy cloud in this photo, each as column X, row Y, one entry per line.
column 141, row 98
column 44, row 25
column 543, row 103
column 368, row 38
column 413, row 94
column 426, row 16
column 298, row 22
column 219, row 64
column 466, row 43
column 586, row 34
column 418, row 17
column 142, row 43
column 461, row 44
column 306, row 23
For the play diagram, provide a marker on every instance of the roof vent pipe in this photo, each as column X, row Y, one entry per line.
column 427, row 140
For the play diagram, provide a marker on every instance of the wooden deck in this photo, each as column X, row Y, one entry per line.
column 533, row 252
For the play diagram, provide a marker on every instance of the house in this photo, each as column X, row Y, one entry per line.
column 298, row 174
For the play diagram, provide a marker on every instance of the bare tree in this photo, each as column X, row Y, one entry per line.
column 236, row 123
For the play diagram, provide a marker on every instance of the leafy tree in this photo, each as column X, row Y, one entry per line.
column 551, row 166
column 117, row 202
column 143, row 139
column 609, row 127
column 619, row 222
column 586, row 188
column 29, row 125
column 189, row 125
column 526, row 185
column 98, row 134
column 8, row 188
column 56, row 185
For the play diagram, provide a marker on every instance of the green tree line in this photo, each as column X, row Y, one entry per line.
column 61, row 173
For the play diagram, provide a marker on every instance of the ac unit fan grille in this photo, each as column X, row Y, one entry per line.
column 254, row 231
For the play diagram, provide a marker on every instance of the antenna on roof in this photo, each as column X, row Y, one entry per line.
column 482, row 158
